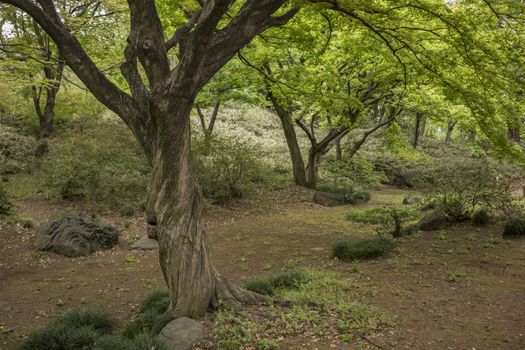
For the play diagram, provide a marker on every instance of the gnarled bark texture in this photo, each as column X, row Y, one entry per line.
column 158, row 113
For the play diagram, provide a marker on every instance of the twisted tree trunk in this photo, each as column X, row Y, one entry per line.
column 184, row 256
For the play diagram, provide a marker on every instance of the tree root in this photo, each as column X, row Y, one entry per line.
column 229, row 295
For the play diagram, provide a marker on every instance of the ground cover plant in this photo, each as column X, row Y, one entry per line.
column 362, row 249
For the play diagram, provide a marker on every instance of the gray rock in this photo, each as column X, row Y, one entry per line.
column 182, row 333
column 145, row 243
column 434, row 221
column 75, row 236
column 411, row 200
column 329, row 199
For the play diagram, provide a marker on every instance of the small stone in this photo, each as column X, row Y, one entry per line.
column 145, row 243
column 317, row 249
column 182, row 333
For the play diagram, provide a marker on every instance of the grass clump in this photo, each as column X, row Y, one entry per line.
column 268, row 285
column 152, row 317
column 481, row 218
column 381, row 215
column 363, row 249
column 141, row 342
column 75, row 329
column 514, row 227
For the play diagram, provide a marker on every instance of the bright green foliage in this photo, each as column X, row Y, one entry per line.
column 481, row 217
column 363, row 249
column 349, row 173
column 514, row 227
column 227, row 168
column 269, row 285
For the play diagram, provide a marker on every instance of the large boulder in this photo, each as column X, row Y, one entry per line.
column 434, row 221
column 329, row 199
column 181, row 333
column 75, row 236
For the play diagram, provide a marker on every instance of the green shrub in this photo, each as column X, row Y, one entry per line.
column 481, row 217
column 285, row 280
column 357, row 196
column 514, row 227
column 459, row 186
column 5, row 205
column 381, row 215
column 75, row 329
column 227, row 168
column 105, row 166
column 16, row 151
column 410, row 229
column 339, row 176
column 363, row 249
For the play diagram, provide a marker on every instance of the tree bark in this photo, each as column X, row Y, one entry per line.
column 417, row 130
column 299, row 172
column 338, row 151
column 450, row 129
column 312, row 169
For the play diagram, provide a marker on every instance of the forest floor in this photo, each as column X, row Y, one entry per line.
column 459, row 288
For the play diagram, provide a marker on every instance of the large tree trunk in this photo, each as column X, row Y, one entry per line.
column 190, row 275
column 312, row 170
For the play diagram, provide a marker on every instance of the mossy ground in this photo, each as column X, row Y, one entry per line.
column 458, row 288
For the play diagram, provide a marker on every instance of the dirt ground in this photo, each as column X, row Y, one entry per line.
column 461, row 288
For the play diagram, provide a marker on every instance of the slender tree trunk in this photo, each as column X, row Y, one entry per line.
column 338, row 150
column 450, row 129
column 184, row 257
column 417, row 129
column 299, row 172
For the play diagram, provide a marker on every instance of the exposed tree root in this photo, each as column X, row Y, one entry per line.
column 229, row 295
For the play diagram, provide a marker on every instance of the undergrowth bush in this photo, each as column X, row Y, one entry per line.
column 363, row 249
column 228, row 168
column 285, row 280
column 5, row 204
column 459, row 186
column 481, row 217
column 105, row 166
column 514, row 227
column 16, row 151
column 343, row 175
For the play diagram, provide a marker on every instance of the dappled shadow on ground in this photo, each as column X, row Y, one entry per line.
column 460, row 288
